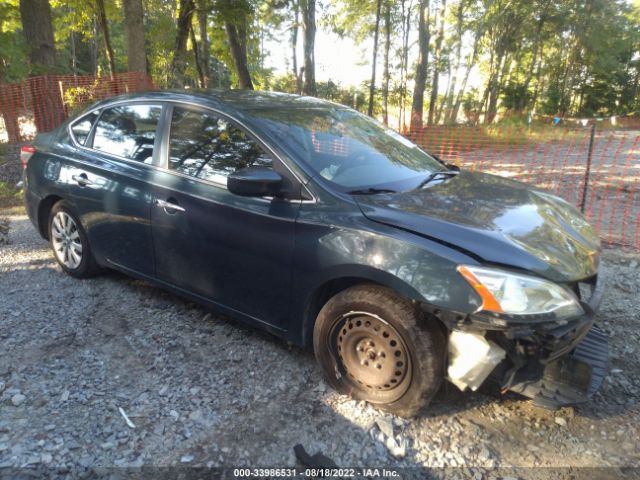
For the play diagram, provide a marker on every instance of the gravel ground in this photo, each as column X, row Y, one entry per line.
column 201, row 390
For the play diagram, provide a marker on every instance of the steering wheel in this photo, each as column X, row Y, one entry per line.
column 355, row 159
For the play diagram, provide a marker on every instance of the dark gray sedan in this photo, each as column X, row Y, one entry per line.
column 328, row 229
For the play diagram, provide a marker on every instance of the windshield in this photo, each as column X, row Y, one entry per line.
column 349, row 149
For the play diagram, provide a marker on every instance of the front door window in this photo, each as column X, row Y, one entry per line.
column 209, row 147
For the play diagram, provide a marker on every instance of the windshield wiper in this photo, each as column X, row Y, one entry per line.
column 370, row 191
column 435, row 175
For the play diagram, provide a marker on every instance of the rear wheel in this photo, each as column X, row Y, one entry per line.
column 377, row 346
column 69, row 242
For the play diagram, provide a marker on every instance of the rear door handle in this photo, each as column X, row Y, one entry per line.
column 168, row 206
column 81, row 179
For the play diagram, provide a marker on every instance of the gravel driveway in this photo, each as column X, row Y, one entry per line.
column 201, row 390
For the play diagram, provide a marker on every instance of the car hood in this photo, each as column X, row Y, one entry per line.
column 501, row 221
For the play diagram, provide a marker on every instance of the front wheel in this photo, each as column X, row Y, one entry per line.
column 377, row 346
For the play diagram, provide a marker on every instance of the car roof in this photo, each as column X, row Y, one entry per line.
column 231, row 101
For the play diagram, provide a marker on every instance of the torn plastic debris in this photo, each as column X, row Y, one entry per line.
column 319, row 460
column 471, row 359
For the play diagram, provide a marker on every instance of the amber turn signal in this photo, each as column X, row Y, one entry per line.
column 489, row 302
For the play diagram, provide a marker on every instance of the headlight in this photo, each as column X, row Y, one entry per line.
column 515, row 294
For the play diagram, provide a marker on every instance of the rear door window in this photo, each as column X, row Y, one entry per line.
column 128, row 131
column 207, row 146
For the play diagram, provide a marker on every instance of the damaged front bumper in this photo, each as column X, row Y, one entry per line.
column 554, row 363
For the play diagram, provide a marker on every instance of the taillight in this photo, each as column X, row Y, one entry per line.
column 26, row 152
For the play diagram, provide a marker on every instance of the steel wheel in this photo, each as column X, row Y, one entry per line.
column 372, row 355
column 65, row 237
column 377, row 346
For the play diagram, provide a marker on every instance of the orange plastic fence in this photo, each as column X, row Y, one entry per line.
column 40, row 104
column 593, row 168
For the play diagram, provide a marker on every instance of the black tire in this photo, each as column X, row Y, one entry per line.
column 87, row 266
column 360, row 324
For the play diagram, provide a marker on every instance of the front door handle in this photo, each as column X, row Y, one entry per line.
column 168, row 206
column 81, row 179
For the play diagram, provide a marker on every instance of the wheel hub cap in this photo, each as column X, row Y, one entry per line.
column 65, row 238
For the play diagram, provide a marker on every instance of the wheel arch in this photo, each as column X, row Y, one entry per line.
column 44, row 210
column 330, row 287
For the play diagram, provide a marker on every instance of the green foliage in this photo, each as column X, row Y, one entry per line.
column 514, row 95
column 471, row 106
column 13, row 49
column 353, row 18
column 9, row 196
column 160, row 29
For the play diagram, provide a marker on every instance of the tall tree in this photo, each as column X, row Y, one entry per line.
column 38, row 32
column 386, row 76
column 196, row 57
column 237, row 35
column 235, row 17
column 308, row 8
column 458, row 60
column 537, row 41
column 420, row 82
column 134, row 22
column 179, row 64
column 405, row 17
column 205, row 50
column 101, row 13
column 376, row 34
column 470, row 62
column 295, row 5
column 12, row 67
column 436, row 62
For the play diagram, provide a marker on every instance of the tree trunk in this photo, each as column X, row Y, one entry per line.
column 9, row 110
column 404, row 68
column 136, row 52
column 237, row 44
column 494, row 89
column 104, row 27
column 11, row 125
column 179, row 62
column 205, row 48
column 562, row 104
column 436, row 65
column 95, row 47
column 471, row 62
column 294, row 45
column 196, row 57
column 309, row 29
column 417, row 104
column 74, row 57
column 48, row 111
column 534, row 60
column 385, row 72
column 536, row 90
column 493, row 54
column 38, row 32
column 441, row 105
column 456, row 70
column 374, row 61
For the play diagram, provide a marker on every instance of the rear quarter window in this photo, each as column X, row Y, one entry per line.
column 128, row 131
column 81, row 128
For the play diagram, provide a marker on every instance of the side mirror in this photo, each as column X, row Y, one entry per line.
column 255, row 182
